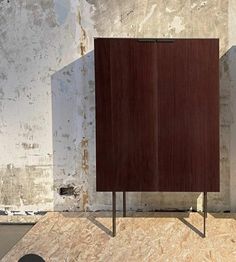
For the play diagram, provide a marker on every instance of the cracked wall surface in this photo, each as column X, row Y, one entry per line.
column 47, row 103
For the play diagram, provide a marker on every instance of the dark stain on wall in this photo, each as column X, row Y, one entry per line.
column 28, row 146
column 67, row 191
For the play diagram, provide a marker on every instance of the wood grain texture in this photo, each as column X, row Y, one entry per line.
column 143, row 236
column 126, row 115
column 188, row 116
column 157, row 115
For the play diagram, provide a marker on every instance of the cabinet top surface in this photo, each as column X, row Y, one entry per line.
column 154, row 38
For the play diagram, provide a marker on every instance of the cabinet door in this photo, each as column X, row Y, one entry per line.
column 188, row 115
column 126, row 115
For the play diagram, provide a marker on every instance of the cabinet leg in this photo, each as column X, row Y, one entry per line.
column 205, row 212
column 113, row 214
column 124, row 204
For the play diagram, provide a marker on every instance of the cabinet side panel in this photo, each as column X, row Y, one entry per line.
column 104, row 149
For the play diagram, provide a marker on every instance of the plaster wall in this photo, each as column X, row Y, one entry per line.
column 47, row 105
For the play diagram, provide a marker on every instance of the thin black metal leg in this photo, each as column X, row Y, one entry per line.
column 124, row 204
column 113, row 213
column 205, row 212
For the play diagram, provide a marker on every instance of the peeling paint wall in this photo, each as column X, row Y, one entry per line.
column 47, row 103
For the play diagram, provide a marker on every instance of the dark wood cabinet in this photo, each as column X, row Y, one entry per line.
column 157, row 114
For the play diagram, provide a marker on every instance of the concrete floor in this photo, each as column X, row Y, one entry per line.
column 143, row 237
column 10, row 235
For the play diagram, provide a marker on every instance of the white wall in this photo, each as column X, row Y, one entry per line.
column 47, row 109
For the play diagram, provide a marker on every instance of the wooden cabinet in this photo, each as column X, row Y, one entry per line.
column 157, row 114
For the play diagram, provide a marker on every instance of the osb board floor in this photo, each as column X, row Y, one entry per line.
column 143, row 237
